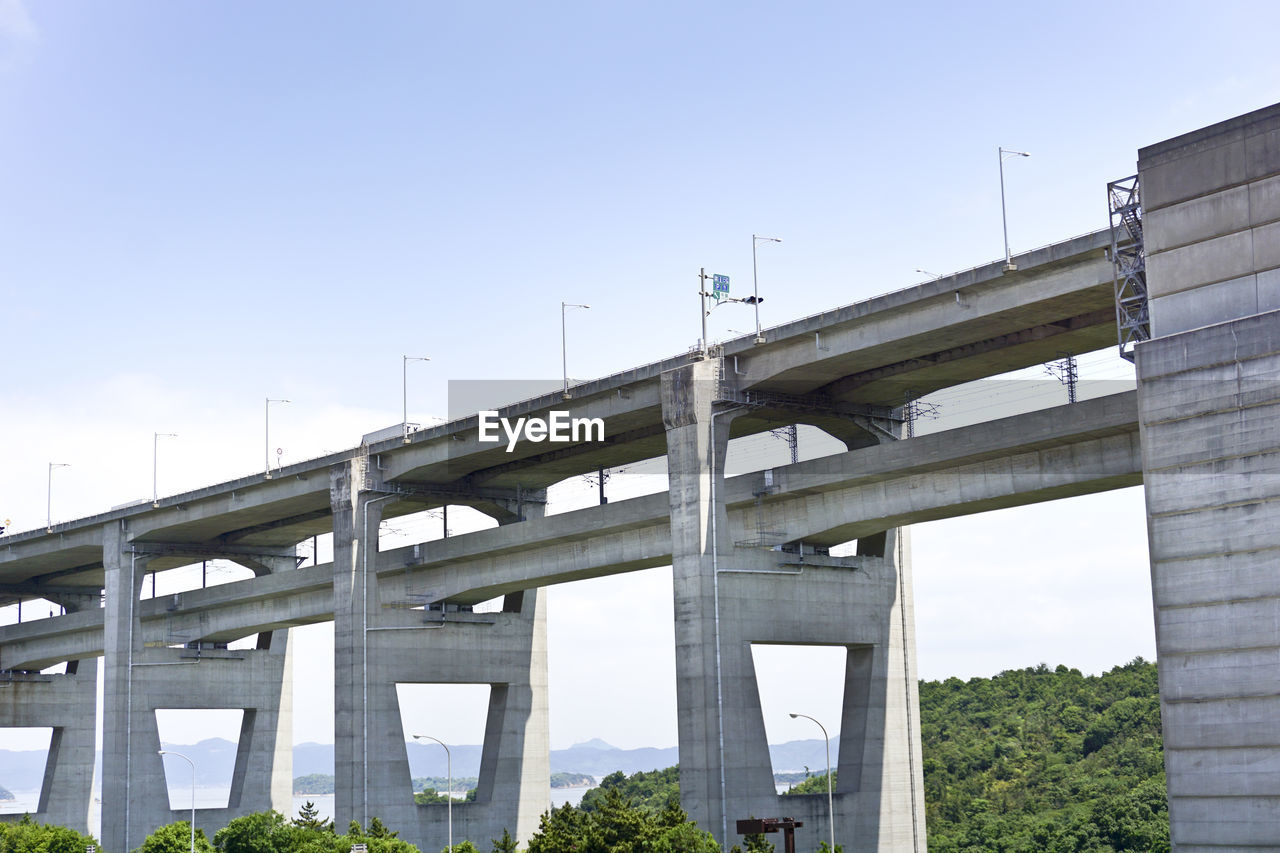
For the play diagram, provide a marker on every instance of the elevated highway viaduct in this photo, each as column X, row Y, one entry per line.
column 750, row 554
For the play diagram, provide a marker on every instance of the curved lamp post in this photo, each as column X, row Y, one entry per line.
column 193, row 793
column 831, row 808
column 448, row 763
column 48, row 521
column 1005, row 154
column 564, row 345
column 404, row 389
column 755, row 279
column 266, row 439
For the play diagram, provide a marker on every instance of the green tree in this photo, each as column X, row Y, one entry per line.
column 174, row 838
column 309, row 818
column 650, row 791
column 378, row 838
column 505, row 844
column 565, row 830
column 260, row 832
column 684, row 837
column 27, row 835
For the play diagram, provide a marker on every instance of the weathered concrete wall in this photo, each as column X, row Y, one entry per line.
column 1209, row 402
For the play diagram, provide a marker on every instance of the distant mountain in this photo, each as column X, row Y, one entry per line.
column 594, row 743
column 215, row 760
column 599, row 761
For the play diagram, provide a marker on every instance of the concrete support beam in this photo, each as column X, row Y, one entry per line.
column 382, row 641
column 728, row 597
column 141, row 679
column 66, row 703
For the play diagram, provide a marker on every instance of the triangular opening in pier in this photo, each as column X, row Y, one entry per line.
column 804, row 680
column 454, row 714
column 209, row 739
column 24, row 752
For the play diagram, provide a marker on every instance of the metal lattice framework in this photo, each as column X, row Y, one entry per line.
column 1128, row 254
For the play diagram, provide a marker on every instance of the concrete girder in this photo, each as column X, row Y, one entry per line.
column 1060, row 281
column 901, row 371
column 634, row 534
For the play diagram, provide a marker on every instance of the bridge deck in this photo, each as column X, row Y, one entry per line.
column 873, row 353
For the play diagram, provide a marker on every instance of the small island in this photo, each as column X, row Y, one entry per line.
column 6, row 794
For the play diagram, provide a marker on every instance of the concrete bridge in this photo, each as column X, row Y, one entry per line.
column 1203, row 328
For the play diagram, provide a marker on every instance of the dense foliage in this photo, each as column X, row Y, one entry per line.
column 652, row 791
column 616, row 825
column 1045, row 760
column 271, row 832
column 27, row 836
column 175, row 838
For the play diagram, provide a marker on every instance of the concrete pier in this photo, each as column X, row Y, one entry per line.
column 732, row 591
column 142, row 678
column 384, row 636
column 1209, row 403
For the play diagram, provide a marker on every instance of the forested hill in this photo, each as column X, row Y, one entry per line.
column 1041, row 759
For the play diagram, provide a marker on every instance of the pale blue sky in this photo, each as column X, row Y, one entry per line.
column 202, row 205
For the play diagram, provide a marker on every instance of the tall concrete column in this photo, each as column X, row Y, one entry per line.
column 141, row 679
column 382, row 639
column 697, row 438
column 122, row 641
column 357, row 514
column 731, row 592
column 1208, row 403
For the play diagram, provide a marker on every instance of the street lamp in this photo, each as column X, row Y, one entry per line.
column 448, row 795
column 1005, row 154
column 48, row 520
column 193, row 793
column 928, row 273
column 564, row 350
column 266, row 447
column 155, row 458
column 755, row 283
column 404, row 390
column 831, row 808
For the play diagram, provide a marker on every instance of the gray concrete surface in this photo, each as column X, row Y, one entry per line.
column 1208, row 399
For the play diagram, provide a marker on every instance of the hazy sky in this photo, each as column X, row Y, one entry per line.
column 206, row 204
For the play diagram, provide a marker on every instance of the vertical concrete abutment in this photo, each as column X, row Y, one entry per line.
column 1209, row 402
